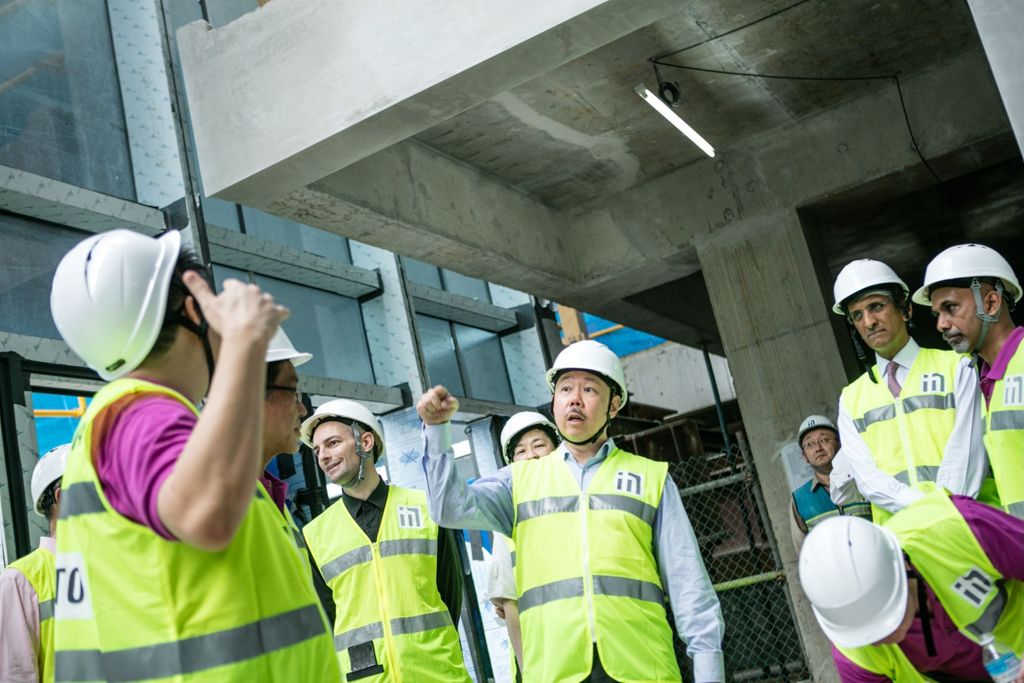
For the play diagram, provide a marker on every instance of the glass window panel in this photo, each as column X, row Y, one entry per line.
column 295, row 235
column 474, row 288
column 326, row 244
column 221, row 213
column 60, row 103
column 57, row 416
column 439, row 353
column 421, row 272
column 225, row 11
column 30, row 254
column 222, row 273
column 483, row 364
column 327, row 325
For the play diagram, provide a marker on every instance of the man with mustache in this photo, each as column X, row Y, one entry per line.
column 913, row 420
column 972, row 290
column 601, row 536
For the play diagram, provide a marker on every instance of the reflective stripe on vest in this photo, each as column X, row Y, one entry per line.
column 1004, row 434
column 907, row 437
column 398, row 628
column 169, row 609
column 39, row 568
column 192, row 655
column 605, row 586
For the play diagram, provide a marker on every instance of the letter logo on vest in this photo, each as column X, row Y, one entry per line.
column 409, row 517
column 1014, row 393
column 933, row 383
column 974, row 586
column 629, row 482
column 72, row 591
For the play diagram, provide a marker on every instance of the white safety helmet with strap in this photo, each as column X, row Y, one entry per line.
column 347, row 411
column 520, row 423
column 109, row 297
column 967, row 266
column 593, row 357
column 852, row 571
column 596, row 358
column 49, row 469
column 863, row 275
column 281, row 348
column 814, row 422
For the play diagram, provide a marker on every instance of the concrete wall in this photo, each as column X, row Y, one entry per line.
column 675, row 377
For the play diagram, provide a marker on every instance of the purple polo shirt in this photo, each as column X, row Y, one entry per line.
column 990, row 374
column 277, row 489
column 140, row 443
column 1002, row 538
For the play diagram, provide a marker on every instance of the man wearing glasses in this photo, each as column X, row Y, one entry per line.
column 283, row 410
column 819, row 443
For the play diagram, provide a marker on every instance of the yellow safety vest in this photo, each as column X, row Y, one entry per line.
column 586, row 572
column 978, row 599
column 391, row 623
column 40, row 569
column 1004, row 434
column 907, row 436
column 134, row 606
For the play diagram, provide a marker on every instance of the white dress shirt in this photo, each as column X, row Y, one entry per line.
column 964, row 462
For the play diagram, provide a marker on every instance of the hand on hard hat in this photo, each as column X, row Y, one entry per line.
column 437, row 406
column 241, row 311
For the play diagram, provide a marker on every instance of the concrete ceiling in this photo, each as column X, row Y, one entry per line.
column 536, row 166
column 580, row 132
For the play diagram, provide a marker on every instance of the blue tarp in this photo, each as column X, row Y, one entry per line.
column 53, row 431
column 623, row 342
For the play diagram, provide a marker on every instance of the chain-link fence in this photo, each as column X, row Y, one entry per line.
column 723, row 501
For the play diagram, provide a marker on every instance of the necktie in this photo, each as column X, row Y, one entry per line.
column 890, row 375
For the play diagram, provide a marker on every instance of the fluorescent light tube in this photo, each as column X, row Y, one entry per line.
column 673, row 118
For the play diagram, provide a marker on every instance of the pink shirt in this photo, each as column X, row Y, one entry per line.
column 1002, row 538
column 277, row 489
column 19, row 624
column 142, row 443
column 990, row 374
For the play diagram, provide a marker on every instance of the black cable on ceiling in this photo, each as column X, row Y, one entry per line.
column 656, row 62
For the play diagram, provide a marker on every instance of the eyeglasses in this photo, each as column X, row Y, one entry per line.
column 294, row 391
column 821, row 441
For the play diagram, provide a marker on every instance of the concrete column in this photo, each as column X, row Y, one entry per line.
column 1000, row 27
column 784, row 361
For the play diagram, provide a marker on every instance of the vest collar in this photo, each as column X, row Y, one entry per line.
column 606, row 448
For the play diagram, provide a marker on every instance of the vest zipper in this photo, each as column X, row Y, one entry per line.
column 588, row 594
column 389, row 639
column 909, row 461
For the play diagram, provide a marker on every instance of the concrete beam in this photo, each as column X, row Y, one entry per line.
column 299, row 89
column 1000, row 26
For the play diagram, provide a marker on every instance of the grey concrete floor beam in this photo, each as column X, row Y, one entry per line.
column 1000, row 27
column 297, row 90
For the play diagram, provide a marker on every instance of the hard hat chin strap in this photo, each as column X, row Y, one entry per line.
column 360, row 475
column 201, row 330
column 986, row 318
column 597, row 434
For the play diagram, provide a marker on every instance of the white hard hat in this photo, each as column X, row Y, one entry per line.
column 853, row 573
column 522, row 422
column 344, row 409
column 964, row 262
column 863, row 274
column 109, row 296
column 281, row 348
column 49, row 469
column 814, row 422
column 593, row 357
